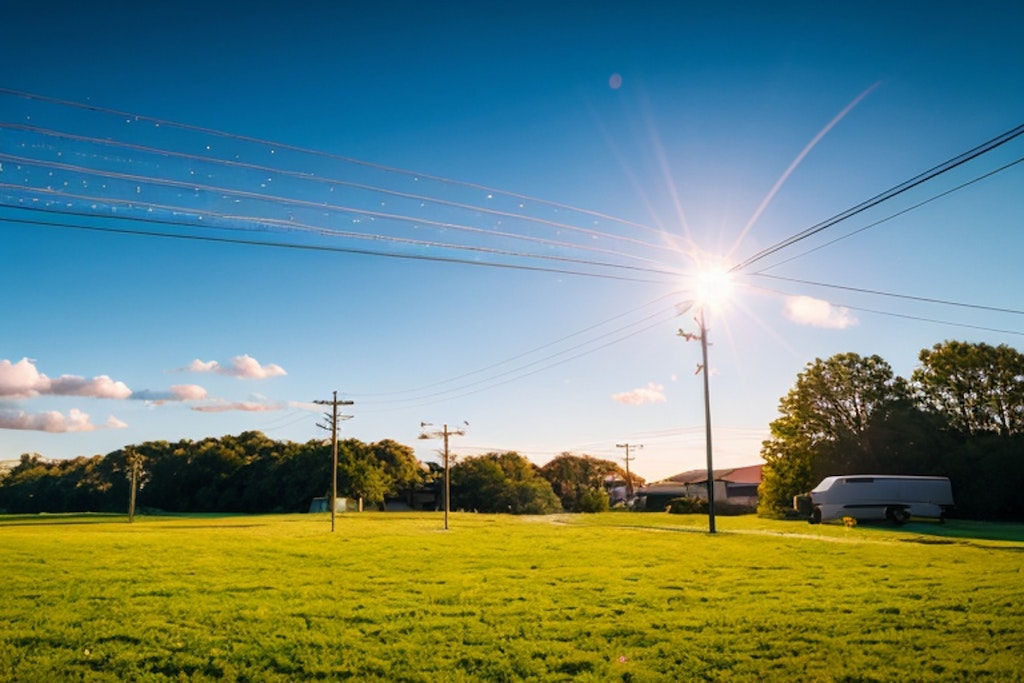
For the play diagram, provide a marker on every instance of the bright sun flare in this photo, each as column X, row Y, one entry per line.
column 713, row 287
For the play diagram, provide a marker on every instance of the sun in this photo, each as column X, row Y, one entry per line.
column 714, row 287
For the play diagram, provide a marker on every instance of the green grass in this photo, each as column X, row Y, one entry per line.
column 611, row 597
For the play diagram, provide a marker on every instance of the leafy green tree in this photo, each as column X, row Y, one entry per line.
column 26, row 487
column 580, row 481
column 478, row 483
column 827, row 424
column 502, row 482
column 301, row 473
column 400, row 465
column 978, row 388
column 361, row 475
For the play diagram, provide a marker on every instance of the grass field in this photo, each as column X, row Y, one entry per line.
column 610, row 597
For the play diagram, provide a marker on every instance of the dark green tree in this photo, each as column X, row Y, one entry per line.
column 827, row 424
column 978, row 388
column 401, row 468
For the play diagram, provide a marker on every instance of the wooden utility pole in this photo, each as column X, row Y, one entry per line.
column 445, row 433
column 703, row 368
column 134, row 462
column 333, row 417
column 629, row 478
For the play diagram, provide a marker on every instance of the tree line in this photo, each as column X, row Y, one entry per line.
column 251, row 473
column 960, row 415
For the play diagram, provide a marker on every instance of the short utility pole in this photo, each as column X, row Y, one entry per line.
column 629, row 478
column 133, row 459
column 444, row 433
column 333, row 418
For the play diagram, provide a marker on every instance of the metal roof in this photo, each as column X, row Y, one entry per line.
column 751, row 474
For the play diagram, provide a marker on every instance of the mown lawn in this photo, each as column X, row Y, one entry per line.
column 617, row 596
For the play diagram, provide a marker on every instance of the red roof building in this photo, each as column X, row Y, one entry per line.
column 735, row 485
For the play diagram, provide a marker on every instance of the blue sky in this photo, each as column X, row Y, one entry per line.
column 599, row 156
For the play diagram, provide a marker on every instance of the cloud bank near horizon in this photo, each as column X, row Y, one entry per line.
column 54, row 421
column 244, row 406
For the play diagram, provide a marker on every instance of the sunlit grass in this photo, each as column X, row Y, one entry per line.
column 618, row 596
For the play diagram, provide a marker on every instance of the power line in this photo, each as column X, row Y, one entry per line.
column 228, row 193
column 278, row 225
column 898, row 213
column 907, row 297
column 489, row 383
column 534, row 350
column 904, row 316
column 316, row 153
column 329, row 249
column 307, row 177
column 885, row 196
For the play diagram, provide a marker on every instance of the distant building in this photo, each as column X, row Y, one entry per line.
column 735, row 486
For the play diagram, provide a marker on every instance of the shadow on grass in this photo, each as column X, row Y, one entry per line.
column 199, row 519
column 956, row 529
column 55, row 519
column 933, row 531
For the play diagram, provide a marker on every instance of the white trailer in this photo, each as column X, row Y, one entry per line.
column 880, row 496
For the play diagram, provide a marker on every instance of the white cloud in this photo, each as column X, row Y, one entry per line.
column 805, row 310
column 652, row 393
column 188, row 392
column 97, row 387
column 23, row 380
column 245, row 406
column 242, row 367
column 50, row 421
column 202, row 366
column 178, row 392
column 246, row 367
column 113, row 423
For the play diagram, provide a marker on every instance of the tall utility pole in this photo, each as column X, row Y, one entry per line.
column 445, row 433
column 703, row 367
column 629, row 479
column 333, row 417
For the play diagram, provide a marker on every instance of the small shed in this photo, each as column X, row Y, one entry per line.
column 323, row 504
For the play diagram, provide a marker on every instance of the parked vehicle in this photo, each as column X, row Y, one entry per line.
column 896, row 498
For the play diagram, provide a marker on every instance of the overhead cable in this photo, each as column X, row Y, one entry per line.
column 885, row 196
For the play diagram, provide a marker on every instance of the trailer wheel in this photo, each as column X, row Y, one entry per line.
column 815, row 517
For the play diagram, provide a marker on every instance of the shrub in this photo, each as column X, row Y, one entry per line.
column 593, row 500
column 687, row 506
